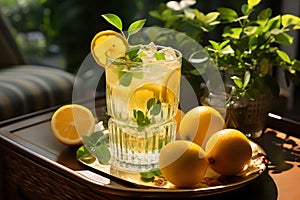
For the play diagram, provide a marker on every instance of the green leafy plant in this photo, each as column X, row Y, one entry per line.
column 181, row 17
column 249, row 48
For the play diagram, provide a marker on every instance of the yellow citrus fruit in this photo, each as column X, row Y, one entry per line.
column 109, row 43
column 178, row 117
column 72, row 121
column 139, row 98
column 228, row 151
column 183, row 163
column 199, row 124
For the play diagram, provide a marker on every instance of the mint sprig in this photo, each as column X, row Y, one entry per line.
column 132, row 53
column 117, row 22
column 96, row 144
column 153, row 108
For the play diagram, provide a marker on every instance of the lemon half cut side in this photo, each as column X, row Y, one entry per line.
column 72, row 121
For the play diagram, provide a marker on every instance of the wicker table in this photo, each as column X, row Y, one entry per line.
column 34, row 165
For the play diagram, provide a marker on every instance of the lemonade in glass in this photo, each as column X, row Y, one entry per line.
column 142, row 95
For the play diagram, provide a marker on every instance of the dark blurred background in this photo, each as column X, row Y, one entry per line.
column 58, row 32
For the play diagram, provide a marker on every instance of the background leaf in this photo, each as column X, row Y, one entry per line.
column 232, row 32
column 227, row 14
column 253, row 3
column 247, row 77
column 284, row 56
column 289, row 19
column 237, row 81
column 284, row 38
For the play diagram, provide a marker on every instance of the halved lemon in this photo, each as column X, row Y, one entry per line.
column 72, row 121
column 108, row 42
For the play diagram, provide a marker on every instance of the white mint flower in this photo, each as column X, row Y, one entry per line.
column 182, row 5
column 189, row 13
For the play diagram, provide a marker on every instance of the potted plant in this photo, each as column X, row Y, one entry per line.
column 246, row 53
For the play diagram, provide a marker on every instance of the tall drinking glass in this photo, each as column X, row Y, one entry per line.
column 142, row 98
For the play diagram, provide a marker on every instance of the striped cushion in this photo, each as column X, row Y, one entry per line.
column 27, row 88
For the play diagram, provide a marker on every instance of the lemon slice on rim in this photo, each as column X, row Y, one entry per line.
column 72, row 121
column 108, row 42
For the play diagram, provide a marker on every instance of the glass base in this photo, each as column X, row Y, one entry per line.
column 137, row 148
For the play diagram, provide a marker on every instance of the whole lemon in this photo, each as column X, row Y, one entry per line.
column 183, row 163
column 228, row 151
column 199, row 124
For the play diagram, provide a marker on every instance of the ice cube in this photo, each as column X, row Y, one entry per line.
column 148, row 53
column 148, row 58
column 150, row 47
column 169, row 53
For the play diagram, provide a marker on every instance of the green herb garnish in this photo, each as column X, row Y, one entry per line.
column 150, row 175
column 153, row 108
column 84, row 155
column 97, row 144
column 132, row 53
column 117, row 22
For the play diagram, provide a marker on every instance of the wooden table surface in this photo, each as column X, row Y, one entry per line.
column 34, row 165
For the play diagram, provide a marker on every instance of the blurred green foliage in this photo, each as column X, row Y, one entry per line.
column 69, row 24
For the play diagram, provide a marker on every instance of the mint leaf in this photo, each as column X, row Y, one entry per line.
column 114, row 20
column 156, row 109
column 125, row 79
column 102, row 140
column 140, row 118
column 103, row 154
column 136, row 27
column 147, row 176
column 160, row 56
column 150, row 103
column 88, row 141
column 150, row 175
column 96, row 135
column 132, row 52
column 84, row 155
column 82, row 152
